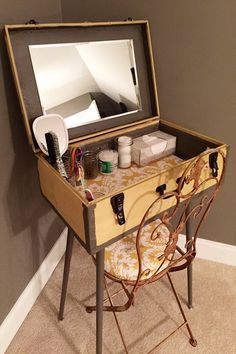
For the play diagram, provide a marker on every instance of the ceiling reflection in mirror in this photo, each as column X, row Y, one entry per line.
column 86, row 82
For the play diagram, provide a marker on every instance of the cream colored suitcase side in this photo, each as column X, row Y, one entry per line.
column 63, row 197
column 138, row 197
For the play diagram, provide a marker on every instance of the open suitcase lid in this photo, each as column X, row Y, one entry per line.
column 76, row 71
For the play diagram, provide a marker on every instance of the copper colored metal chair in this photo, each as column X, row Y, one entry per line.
column 153, row 252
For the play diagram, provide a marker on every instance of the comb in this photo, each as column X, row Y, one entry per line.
column 54, row 153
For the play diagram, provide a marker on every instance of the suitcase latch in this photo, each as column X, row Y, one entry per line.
column 161, row 189
column 213, row 163
column 117, row 202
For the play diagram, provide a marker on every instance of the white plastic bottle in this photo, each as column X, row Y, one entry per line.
column 124, row 151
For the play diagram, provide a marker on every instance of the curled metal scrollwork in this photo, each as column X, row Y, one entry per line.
column 192, row 200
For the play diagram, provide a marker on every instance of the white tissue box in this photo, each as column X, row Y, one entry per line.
column 151, row 147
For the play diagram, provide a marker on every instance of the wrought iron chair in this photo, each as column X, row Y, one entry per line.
column 153, row 252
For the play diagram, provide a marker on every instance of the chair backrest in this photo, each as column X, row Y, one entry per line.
column 192, row 200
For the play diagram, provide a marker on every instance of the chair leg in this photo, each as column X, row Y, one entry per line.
column 192, row 340
column 115, row 316
column 120, row 308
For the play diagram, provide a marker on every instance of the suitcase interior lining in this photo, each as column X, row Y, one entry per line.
column 187, row 146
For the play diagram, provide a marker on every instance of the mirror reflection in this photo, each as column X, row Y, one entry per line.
column 86, row 82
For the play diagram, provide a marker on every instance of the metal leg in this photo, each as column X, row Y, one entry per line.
column 99, row 299
column 69, row 246
column 189, row 271
column 192, row 340
column 190, row 286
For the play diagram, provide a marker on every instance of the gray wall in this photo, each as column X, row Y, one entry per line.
column 28, row 226
column 195, row 54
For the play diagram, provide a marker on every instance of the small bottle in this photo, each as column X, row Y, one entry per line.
column 124, row 151
column 108, row 160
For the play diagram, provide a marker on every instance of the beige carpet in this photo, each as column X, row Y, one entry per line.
column 213, row 319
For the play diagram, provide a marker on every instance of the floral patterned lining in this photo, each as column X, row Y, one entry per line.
column 105, row 184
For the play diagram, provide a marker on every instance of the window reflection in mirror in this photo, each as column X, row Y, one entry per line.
column 86, row 82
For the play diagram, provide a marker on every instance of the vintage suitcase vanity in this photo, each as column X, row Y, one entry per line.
column 95, row 222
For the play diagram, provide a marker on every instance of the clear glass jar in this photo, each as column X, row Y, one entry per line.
column 124, row 151
column 90, row 164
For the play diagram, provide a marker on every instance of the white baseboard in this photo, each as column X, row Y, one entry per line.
column 209, row 250
column 213, row 251
column 18, row 313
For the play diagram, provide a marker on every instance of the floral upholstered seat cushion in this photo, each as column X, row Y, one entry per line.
column 121, row 260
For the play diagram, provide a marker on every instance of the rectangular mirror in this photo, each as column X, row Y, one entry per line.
column 88, row 81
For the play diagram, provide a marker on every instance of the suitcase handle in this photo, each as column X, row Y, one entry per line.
column 161, row 189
